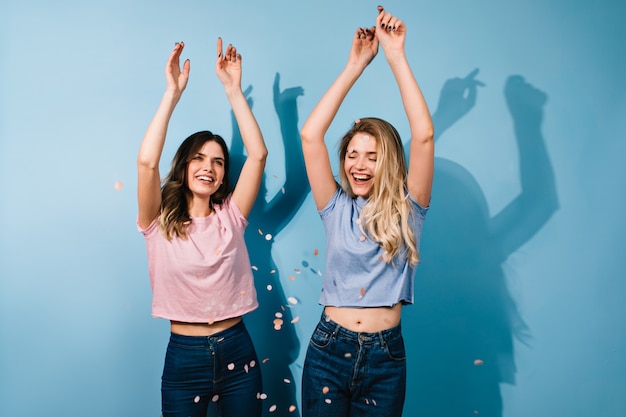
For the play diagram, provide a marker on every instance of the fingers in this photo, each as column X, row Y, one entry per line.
column 365, row 33
column 229, row 55
column 387, row 21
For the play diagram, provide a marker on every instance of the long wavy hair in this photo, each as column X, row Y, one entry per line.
column 386, row 215
column 175, row 193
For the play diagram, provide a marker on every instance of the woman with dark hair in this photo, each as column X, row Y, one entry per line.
column 355, row 364
column 199, row 267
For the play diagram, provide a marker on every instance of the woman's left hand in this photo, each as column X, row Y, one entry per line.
column 228, row 65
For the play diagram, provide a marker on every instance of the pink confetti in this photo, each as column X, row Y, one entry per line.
column 478, row 362
column 215, row 398
column 292, row 408
column 118, row 185
column 231, row 366
column 272, row 408
column 325, row 390
column 197, row 399
column 295, row 320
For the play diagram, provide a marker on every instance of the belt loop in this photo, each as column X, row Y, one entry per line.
column 383, row 343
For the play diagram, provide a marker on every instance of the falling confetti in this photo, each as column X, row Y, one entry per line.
column 272, row 408
column 215, row 398
column 292, row 300
column 197, row 399
column 292, row 408
column 279, row 314
column 362, row 292
column 268, row 237
column 286, row 381
column 118, row 185
column 295, row 320
column 252, row 364
column 292, row 278
column 325, row 390
column 255, row 268
column 478, row 362
column 266, row 360
column 269, row 288
column 347, row 355
column 245, row 368
column 231, row 366
column 362, row 238
column 260, row 232
column 263, row 396
column 316, row 252
column 327, row 401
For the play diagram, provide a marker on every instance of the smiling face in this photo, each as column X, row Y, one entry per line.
column 359, row 163
column 205, row 170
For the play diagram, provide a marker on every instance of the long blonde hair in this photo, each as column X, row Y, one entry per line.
column 386, row 217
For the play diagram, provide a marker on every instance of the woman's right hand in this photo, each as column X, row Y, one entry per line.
column 176, row 80
column 364, row 47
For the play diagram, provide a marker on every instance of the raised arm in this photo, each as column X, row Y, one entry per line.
column 149, row 180
column 228, row 70
column 323, row 186
column 391, row 33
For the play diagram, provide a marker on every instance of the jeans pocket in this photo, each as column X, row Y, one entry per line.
column 395, row 349
column 320, row 338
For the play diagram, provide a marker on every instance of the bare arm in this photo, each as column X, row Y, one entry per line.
column 228, row 70
column 323, row 185
column 391, row 33
column 149, row 180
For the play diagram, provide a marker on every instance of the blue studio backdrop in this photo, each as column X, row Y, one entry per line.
column 519, row 298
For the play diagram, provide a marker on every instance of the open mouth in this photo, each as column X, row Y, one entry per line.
column 361, row 178
column 206, row 179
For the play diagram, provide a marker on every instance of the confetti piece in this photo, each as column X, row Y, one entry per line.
column 347, row 355
column 269, row 288
column 118, row 185
column 272, row 408
column 478, row 362
column 197, row 399
column 279, row 314
column 362, row 238
column 374, row 402
column 292, row 408
column 292, row 278
column 265, row 360
column 327, row 401
column 297, row 271
column 245, row 368
column 283, row 190
column 268, row 237
column 255, row 268
column 295, row 320
column 362, row 291
column 316, row 252
column 242, row 292
column 325, row 390
column 273, row 271
column 286, row 381
column 252, row 364
column 292, row 300
column 260, row 232
column 217, row 251
column 263, row 396
column 215, row 398
column 231, row 366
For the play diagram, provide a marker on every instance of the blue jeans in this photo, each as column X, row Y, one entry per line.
column 221, row 371
column 353, row 374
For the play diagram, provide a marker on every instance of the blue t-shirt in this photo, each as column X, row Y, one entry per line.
column 356, row 274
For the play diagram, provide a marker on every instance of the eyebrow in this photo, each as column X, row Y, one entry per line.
column 218, row 158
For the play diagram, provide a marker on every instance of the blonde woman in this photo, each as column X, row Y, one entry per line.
column 355, row 364
column 198, row 262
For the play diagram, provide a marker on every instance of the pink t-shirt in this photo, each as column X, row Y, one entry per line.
column 206, row 277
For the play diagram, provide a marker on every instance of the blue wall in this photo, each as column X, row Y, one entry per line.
column 522, row 251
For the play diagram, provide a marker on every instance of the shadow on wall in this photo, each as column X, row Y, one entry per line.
column 270, row 325
column 459, row 334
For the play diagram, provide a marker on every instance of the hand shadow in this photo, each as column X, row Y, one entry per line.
column 276, row 342
column 460, row 332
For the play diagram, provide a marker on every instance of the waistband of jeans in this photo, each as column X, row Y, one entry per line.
column 206, row 340
column 365, row 337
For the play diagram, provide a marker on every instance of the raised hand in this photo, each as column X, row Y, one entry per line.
column 176, row 80
column 228, row 66
column 364, row 46
column 390, row 31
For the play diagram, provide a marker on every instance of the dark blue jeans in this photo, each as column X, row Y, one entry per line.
column 221, row 370
column 353, row 374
